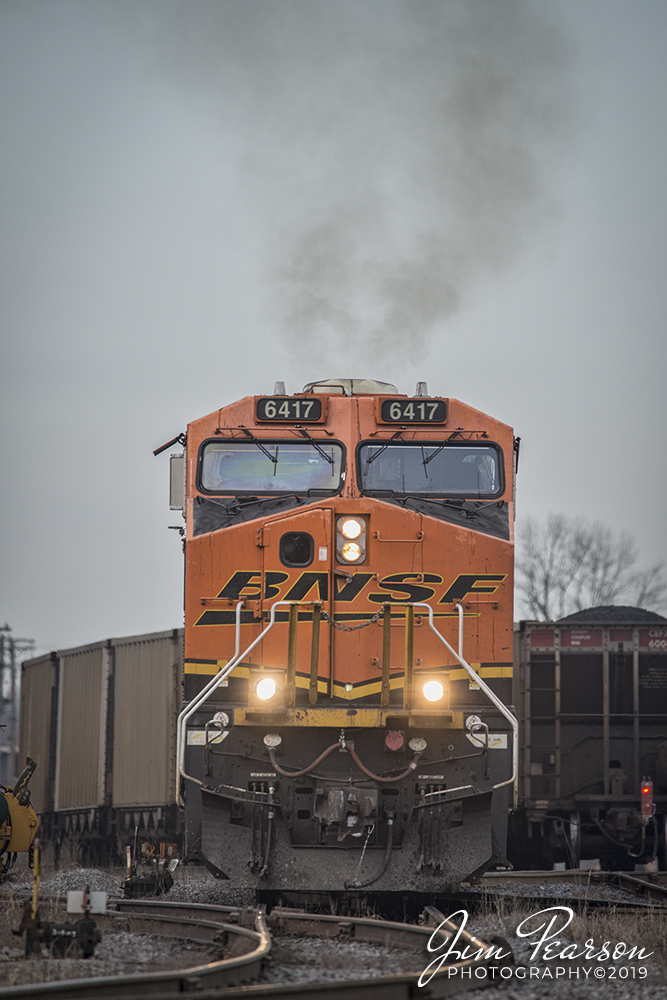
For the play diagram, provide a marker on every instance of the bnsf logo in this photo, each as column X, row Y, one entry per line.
column 397, row 588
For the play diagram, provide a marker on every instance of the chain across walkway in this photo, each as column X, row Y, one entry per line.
column 352, row 628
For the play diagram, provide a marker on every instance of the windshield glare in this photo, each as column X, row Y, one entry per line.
column 270, row 467
column 440, row 469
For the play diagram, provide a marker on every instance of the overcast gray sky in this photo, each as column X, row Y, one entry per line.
column 200, row 197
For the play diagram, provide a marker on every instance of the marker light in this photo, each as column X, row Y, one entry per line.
column 266, row 688
column 433, row 690
column 351, row 528
column 351, row 552
column 647, row 807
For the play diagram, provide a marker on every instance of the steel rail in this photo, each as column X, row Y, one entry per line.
column 388, row 933
column 632, row 882
column 222, row 979
column 390, row 987
column 652, row 895
column 577, row 876
column 175, row 919
column 641, row 886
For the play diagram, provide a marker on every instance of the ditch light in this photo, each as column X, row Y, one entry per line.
column 266, row 690
column 431, row 691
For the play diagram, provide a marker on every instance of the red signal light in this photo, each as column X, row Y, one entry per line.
column 646, row 800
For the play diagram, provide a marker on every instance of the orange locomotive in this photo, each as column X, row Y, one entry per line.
column 348, row 639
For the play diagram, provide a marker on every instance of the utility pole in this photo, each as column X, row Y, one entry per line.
column 10, row 692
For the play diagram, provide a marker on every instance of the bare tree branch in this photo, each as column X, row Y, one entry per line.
column 567, row 564
column 650, row 587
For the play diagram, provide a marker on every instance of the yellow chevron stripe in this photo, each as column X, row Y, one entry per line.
column 359, row 690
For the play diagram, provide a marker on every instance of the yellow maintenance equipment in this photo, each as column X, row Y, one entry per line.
column 18, row 820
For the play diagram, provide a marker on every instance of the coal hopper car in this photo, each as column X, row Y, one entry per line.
column 591, row 695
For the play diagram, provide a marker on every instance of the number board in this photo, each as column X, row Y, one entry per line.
column 287, row 408
column 413, row 411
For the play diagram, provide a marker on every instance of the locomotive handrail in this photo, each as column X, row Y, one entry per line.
column 185, row 713
column 459, row 608
column 224, row 673
column 491, row 695
column 216, row 681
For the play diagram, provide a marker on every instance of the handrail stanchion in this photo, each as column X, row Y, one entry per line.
column 491, row 695
column 215, row 682
column 224, row 673
column 385, row 693
column 314, row 654
column 459, row 608
column 290, row 680
column 185, row 712
column 409, row 655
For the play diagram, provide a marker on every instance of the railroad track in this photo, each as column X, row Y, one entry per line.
column 651, row 889
column 226, row 927
column 245, row 935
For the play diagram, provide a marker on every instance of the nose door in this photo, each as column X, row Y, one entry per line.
column 391, row 573
column 296, row 566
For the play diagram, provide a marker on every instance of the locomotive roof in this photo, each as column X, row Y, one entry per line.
column 352, row 386
column 612, row 614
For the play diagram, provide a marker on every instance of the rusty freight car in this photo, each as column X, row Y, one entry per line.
column 591, row 694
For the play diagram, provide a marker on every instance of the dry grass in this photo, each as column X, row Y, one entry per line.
column 11, row 912
column 645, row 929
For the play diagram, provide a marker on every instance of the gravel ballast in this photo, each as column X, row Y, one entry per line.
column 301, row 960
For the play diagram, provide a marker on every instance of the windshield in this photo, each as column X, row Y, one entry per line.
column 261, row 466
column 432, row 468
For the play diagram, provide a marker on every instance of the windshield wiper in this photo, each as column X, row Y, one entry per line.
column 318, row 447
column 430, row 458
column 272, row 458
column 372, row 457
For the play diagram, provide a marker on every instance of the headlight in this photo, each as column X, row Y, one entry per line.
column 351, row 552
column 350, row 527
column 350, row 539
column 433, row 690
column 266, row 688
